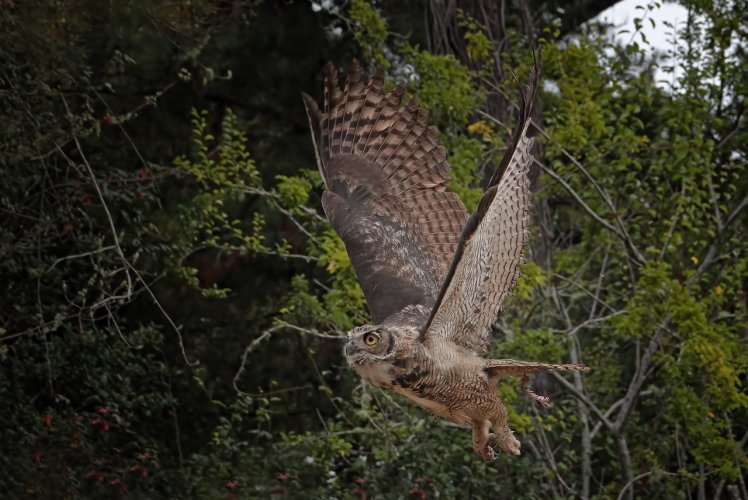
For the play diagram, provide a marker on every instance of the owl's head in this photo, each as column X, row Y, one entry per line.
column 369, row 344
column 370, row 351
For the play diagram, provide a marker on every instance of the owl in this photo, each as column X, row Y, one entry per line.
column 434, row 278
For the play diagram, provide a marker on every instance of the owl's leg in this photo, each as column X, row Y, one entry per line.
column 481, row 438
column 503, row 435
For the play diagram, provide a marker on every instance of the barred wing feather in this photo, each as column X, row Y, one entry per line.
column 489, row 254
column 386, row 177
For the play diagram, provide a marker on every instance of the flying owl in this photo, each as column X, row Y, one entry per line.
column 434, row 278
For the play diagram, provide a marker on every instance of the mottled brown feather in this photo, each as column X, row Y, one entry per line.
column 489, row 252
column 386, row 177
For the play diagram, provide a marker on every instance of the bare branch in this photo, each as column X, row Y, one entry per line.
column 712, row 253
column 165, row 315
column 631, row 483
column 586, row 291
column 579, row 395
column 251, row 347
column 551, row 459
column 575, row 195
column 640, row 376
column 80, row 255
column 266, row 335
column 113, row 230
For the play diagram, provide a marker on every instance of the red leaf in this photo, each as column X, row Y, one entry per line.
column 120, row 483
column 103, row 425
column 421, row 494
column 361, row 494
column 95, row 476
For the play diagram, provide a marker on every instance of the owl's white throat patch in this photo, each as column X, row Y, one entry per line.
column 378, row 373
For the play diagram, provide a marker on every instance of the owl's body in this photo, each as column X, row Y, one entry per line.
column 444, row 378
column 434, row 278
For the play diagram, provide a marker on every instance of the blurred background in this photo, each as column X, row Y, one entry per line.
column 173, row 299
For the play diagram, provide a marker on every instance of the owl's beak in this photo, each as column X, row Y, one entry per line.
column 349, row 348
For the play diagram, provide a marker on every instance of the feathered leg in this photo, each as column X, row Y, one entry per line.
column 481, row 438
column 503, row 436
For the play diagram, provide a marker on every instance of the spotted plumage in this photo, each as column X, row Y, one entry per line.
column 434, row 278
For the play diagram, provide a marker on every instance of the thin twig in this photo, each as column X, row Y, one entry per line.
column 267, row 334
column 166, row 316
column 112, row 229
column 631, row 483
column 79, row 255
column 251, row 347
column 578, row 198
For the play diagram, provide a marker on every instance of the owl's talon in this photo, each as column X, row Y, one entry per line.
column 482, row 439
column 489, row 455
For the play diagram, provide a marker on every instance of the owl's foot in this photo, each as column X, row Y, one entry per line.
column 508, row 443
column 488, row 454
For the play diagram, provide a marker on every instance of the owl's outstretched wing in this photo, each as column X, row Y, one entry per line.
column 386, row 176
column 503, row 367
column 489, row 254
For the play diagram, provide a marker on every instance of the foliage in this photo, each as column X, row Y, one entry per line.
column 371, row 31
column 442, row 85
column 175, row 299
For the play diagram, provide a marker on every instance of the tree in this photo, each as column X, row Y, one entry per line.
column 175, row 301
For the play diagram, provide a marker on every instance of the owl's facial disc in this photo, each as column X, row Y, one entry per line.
column 370, row 352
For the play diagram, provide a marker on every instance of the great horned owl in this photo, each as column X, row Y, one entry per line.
column 434, row 278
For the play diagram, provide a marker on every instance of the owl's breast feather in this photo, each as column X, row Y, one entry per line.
column 435, row 407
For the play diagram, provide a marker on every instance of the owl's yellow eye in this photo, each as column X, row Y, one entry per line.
column 371, row 338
